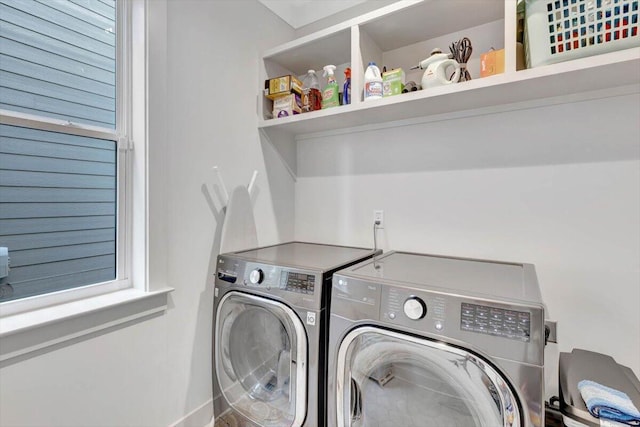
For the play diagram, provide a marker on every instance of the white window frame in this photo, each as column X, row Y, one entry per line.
column 131, row 285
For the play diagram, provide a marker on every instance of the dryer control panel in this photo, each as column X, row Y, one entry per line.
column 495, row 321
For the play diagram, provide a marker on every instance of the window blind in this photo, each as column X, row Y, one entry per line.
column 58, row 191
column 57, row 59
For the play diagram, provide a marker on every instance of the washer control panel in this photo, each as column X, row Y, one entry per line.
column 297, row 282
column 298, row 287
column 269, row 277
column 495, row 321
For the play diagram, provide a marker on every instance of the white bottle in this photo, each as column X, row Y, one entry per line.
column 372, row 82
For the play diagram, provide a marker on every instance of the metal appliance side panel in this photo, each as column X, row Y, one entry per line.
column 529, row 383
column 355, row 299
column 530, row 281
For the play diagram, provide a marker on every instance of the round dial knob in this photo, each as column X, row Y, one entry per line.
column 256, row 276
column 415, row 308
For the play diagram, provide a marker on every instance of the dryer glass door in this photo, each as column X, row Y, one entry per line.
column 260, row 359
column 387, row 378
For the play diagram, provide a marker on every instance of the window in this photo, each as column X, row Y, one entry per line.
column 63, row 146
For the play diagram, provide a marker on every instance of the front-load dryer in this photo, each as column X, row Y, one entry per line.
column 270, row 333
column 421, row 340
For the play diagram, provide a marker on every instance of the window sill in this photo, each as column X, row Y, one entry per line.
column 36, row 330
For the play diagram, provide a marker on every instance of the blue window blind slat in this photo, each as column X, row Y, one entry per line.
column 70, row 52
column 45, row 85
column 42, row 96
column 103, row 8
column 101, row 17
column 65, row 195
column 50, row 240
column 57, row 283
column 33, row 55
column 69, row 17
column 55, row 137
column 34, row 103
column 9, row 145
column 58, row 180
column 62, row 81
column 47, row 255
column 48, row 225
column 44, row 164
column 50, row 210
column 23, row 274
column 35, row 31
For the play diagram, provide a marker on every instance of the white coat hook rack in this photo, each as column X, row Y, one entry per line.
column 252, row 182
column 223, row 188
column 239, row 226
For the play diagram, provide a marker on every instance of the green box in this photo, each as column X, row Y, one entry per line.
column 392, row 82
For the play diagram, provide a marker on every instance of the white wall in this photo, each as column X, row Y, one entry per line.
column 213, row 72
column 203, row 77
column 445, row 189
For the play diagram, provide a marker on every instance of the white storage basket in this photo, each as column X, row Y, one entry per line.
column 560, row 30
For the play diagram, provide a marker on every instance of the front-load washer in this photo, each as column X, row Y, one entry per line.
column 421, row 340
column 270, row 333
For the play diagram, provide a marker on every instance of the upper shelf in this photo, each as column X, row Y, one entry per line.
column 391, row 27
column 427, row 20
column 548, row 84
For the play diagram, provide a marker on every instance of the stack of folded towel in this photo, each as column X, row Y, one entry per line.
column 607, row 403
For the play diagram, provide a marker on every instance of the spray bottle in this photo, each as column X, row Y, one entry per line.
column 331, row 93
column 346, row 90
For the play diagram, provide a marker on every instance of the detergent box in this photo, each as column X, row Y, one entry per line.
column 287, row 105
column 276, row 87
column 392, row 82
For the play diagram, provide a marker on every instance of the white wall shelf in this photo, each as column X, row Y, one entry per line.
column 584, row 77
column 401, row 35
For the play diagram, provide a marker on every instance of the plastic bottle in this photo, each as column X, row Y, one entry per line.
column 346, row 89
column 311, row 95
column 331, row 93
column 372, row 82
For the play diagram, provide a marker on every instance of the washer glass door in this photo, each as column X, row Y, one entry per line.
column 261, row 358
column 391, row 379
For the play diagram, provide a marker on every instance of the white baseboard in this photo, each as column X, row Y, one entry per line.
column 199, row 417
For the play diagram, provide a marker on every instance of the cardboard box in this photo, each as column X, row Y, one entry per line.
column 274, row 88
column 392, row 82
column 287, row 105
column 492, row 63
